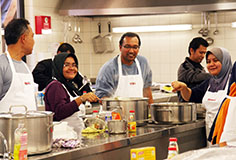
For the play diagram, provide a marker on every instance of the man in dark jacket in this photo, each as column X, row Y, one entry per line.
column 191, row 71
column 42, row 73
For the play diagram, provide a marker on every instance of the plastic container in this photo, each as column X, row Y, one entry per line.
column 40, row 99
column 132, row 122
column 171, row 152
column 173, row 143
column 108, row 117
column 20, row 146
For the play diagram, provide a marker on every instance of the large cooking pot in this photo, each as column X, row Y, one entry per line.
column 139, row 105
column 173, row 112
column 39, row 125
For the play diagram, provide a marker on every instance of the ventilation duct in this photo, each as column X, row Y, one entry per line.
column 141, row 7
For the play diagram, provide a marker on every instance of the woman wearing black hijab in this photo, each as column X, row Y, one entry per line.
column 61, row 95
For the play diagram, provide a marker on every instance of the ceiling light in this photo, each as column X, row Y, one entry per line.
column 233, row 25
column 159, row 28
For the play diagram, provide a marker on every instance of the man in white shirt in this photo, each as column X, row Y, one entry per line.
column 16, row 81
column 126, row 75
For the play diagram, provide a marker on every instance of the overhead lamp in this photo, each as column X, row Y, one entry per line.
column 233, row 24
column 158, row 28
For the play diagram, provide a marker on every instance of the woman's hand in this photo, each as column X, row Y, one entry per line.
column 182, row 87
column 91, row 97
column 178, row 86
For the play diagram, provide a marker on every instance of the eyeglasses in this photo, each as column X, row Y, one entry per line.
column 73, row 65
column 129, row 47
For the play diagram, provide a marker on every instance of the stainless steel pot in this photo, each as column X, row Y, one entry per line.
column 139, row 105
column 39, row 125
column 173, row 112
column 201, row 111
column 117, row 126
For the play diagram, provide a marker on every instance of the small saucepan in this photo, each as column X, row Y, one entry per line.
column 117, row 126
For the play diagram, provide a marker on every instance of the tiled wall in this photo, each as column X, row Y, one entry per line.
column 164, row 50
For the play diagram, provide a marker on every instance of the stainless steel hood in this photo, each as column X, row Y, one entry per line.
column 141, row 7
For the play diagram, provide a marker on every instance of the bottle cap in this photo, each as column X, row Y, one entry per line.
column 84, row 92
column 173, row 139
column 131, row 111
column 172, row 148
column 95, row 111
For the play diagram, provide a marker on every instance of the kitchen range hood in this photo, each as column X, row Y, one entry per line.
column 141, row 7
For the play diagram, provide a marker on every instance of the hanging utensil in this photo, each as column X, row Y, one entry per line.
column 67, row 28
column 210, row 40
column 76, row 38
column 97, row 41
column 202, row 21
column 216, row 25
column 69, row 25
column 107, row 40
column 205, row 30
column 208, row 23
column 65, row 31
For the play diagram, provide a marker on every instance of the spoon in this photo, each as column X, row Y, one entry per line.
column 216, row 23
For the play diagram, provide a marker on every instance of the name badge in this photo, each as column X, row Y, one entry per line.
column 27, row 83
column 209, row 99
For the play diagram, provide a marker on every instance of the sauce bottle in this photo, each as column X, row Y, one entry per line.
column 132, row 122
column 173, row 143
column 95, row 114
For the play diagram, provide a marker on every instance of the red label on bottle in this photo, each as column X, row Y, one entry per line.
column 23, row 155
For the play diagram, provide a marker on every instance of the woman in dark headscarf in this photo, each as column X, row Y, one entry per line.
column 213, row 91
column 61, row 96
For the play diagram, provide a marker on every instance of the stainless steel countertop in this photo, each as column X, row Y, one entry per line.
column 105, row 142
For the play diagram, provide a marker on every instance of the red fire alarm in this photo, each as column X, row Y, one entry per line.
column 43, row 25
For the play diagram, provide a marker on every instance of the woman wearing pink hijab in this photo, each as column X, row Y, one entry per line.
column 211, row 92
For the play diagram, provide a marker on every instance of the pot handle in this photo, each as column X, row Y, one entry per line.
column 17, row 106
column 142, row 120
column 164, row 110
column 50, row 126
